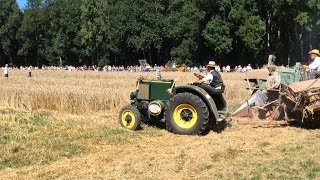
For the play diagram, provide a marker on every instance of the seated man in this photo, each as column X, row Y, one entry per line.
column 212, row 81
column 314, row 66
column 273, row 83
column 262, row 96
column 213, row 84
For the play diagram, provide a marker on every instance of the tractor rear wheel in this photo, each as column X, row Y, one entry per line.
column 130, row 117
column 187, row 114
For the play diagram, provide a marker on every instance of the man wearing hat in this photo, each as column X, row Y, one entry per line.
column 314, row 66
column 273, row 81
column 212, row 83
column 262, row 96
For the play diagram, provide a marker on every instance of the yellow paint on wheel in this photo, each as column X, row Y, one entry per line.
column 185, row 116
column 128, row 119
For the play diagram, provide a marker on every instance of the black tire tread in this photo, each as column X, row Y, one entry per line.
column 204, row 114
column 136, row 113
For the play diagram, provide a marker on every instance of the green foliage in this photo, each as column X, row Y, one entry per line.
column 184, row 29
column 252, row 33
column 94, row 26
column 217, row 34
column 78, row 32
column 10, row 18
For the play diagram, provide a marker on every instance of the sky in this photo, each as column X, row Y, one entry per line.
column 22, row 3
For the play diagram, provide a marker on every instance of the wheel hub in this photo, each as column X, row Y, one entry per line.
column 128, row 119
column 186, row 115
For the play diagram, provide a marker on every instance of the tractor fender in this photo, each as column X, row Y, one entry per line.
column 202, row 94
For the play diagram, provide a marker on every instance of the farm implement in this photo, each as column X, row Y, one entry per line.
column 296, row 101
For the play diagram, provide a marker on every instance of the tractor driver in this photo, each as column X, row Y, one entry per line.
column 212, row 81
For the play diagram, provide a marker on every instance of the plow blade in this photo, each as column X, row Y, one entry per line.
column 245, row 110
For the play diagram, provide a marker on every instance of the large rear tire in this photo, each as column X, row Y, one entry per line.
column 187, row 114
column 130, row 118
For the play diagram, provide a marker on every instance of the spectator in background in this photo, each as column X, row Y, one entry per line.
column 158, row 73
column 6, row 71
column 30, row 71
column 218, row 68
column 249, row 68
column 228, row 68
column 244, row 69
column 224, row 69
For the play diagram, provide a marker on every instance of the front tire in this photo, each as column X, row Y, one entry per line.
column 187, row 114
column 130, row 118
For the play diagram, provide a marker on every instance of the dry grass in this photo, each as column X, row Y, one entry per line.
column 89, row 92
column 86, row 142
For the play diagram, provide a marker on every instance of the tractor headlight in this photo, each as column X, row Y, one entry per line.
column 133, row 95
column 155, row 108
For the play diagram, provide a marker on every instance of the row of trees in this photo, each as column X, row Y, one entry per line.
column 99, row 32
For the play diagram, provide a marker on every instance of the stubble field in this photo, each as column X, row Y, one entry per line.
column 61, row 124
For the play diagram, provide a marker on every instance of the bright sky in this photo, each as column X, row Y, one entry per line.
column 22, row 3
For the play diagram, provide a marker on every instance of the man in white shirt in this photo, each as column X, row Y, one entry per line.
column 213, row 84
column 314, row 66
column 212, row 81
column 6, row 71
column 29, row 71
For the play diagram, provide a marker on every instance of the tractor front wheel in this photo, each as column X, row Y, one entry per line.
column 130, row 117
column 187, row 114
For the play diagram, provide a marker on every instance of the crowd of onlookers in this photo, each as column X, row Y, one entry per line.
column 136, row 68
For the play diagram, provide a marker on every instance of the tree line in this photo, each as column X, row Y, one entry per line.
column 191, row 32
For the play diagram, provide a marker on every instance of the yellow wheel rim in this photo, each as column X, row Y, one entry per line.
column 128, row 119
column 185, row 116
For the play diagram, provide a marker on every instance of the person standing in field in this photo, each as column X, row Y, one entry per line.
column 30, row 71
column 158, row 72
column 6, row 71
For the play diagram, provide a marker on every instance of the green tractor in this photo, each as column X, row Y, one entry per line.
column 186, row 109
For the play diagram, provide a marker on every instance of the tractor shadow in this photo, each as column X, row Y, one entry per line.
column 160, row 124
column 219, row 127
column 215, row 127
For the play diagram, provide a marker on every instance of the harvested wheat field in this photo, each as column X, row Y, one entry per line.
column 64, row 125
